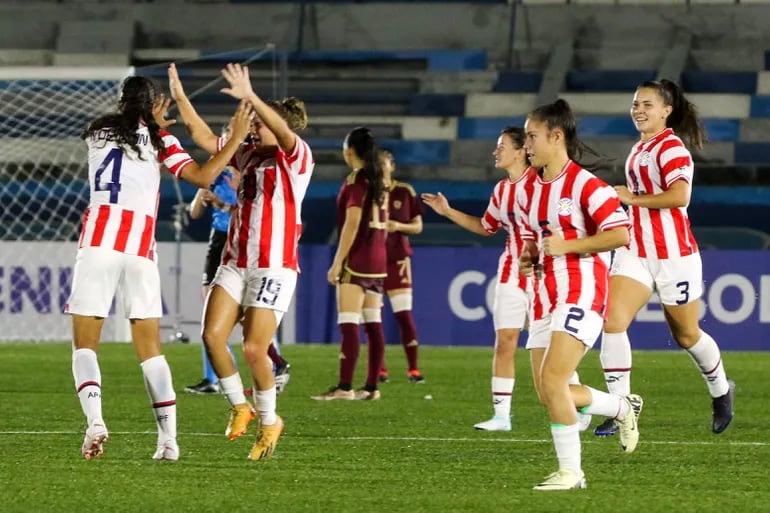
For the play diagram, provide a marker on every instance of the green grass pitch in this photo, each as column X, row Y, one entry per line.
column 404, row 453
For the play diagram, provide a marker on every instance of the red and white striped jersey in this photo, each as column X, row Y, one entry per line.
column 651, row 168
column 125, row 191
column 500, row 213
column 576, row 204
column 267, row 223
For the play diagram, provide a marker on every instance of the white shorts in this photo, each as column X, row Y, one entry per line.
column 582, row 323
column 677, row 281
column 100, row 273
column 509, row 309
column 258, row 288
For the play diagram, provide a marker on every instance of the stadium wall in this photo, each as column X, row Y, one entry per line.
column 453, row 296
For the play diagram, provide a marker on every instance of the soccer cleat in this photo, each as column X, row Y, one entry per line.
column 722, row 409
column 606, row 428
column 93, row 443
column 240, row 417
column 584, row 421
column 363, row 394
column 416, row 377
column 494, row 424
column 281, row 377
column 563, row 479
column 168, row 450
column 335, row 393
column 204, row 387
column 628, row 426
column 383, row 377
column 267, row 437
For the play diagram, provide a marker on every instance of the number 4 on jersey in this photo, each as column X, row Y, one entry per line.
column 114, row 158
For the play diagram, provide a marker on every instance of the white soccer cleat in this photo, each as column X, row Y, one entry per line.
column 584, row 421
column 563, row 479
column 167, row 450
column 494, row 424
column 93, row 443
column 629, row 425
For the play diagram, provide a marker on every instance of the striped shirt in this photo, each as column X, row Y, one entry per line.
column 267, row 223
column 576, row 204
column 124, row 191
column 500, row 213
column 651, row 168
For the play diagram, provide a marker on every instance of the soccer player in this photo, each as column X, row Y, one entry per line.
column 571, row 220
column 405, row 218
column 359, row 267
column 222, row 198
column 662, row 255
column 126, row 151
column 511, row 304
column 258, row 274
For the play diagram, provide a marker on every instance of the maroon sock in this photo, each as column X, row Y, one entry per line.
column 272, row 352
column 376, row 352
column 408, row 337
column 349, row 347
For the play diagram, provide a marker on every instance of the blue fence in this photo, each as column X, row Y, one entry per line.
column 453, row 291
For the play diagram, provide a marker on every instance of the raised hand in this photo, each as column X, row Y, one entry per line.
column 437, row 202
column 238, row 78
column 159, row 110
column 174, row 84
column 241, row 121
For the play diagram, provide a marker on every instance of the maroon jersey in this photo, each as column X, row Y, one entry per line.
column 404, row 206
column 367, row 255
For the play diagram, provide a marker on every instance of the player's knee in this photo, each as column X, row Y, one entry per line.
column 686, row 338
column 617, row 322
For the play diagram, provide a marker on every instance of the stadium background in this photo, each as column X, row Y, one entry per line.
column 436, row 81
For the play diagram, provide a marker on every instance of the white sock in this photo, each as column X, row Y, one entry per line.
column 88, row 383
column 615, row 356
column 160, row 387
column 232, row 387
column 705, row 353
column 265, row 401
column 574, row 379
column 502, row 389
column 607, row 405
column 566, row 441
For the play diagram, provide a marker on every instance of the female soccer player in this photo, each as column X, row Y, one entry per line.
column 126, row 151
column 511, row 291
column 405, row 218
column 258, row 273
column 571, row 220
column 359, row 267
column 663, row 255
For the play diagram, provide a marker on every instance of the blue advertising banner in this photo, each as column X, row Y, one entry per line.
column 454, row 288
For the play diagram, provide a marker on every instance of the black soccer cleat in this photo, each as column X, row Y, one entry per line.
column 722, row 409
column 606, row 428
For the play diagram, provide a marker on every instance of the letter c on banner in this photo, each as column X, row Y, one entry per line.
column 455, row 293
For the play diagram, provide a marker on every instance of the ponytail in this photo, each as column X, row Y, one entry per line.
column 365, row 147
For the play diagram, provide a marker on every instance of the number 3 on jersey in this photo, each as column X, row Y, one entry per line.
column 114, row 158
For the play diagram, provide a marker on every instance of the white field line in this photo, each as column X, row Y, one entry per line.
column 414, row 438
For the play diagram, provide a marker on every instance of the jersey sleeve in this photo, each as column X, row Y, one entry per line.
column 415, row 205
column 490, row 221
column 173, row 156
column 675, row 163
column 602, row 205
column 299, row 160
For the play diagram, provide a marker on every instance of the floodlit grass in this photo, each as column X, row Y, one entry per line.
column 404, row 453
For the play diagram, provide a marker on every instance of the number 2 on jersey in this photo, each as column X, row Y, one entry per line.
column 114, row 158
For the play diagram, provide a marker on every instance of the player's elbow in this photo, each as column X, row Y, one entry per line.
column 621, row 236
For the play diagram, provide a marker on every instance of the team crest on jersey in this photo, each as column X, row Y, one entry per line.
column 397, row 204
column 564, row 207
column 644, row 158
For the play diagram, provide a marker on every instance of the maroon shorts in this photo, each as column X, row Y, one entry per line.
column 367, row 283
column 399, row 274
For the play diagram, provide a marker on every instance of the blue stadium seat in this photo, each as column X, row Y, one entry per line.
column 606, row 80
column 517, row 82
column 752, row 153
column 436, row 105
column 760, row 107
column 484, row 128
column 405, row 152
column 737, row 82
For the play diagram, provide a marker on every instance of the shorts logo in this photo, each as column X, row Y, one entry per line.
column 564, row 206
column 397, row 204
column 644, row 158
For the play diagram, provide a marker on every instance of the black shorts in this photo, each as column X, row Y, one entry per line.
column 217, row 242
